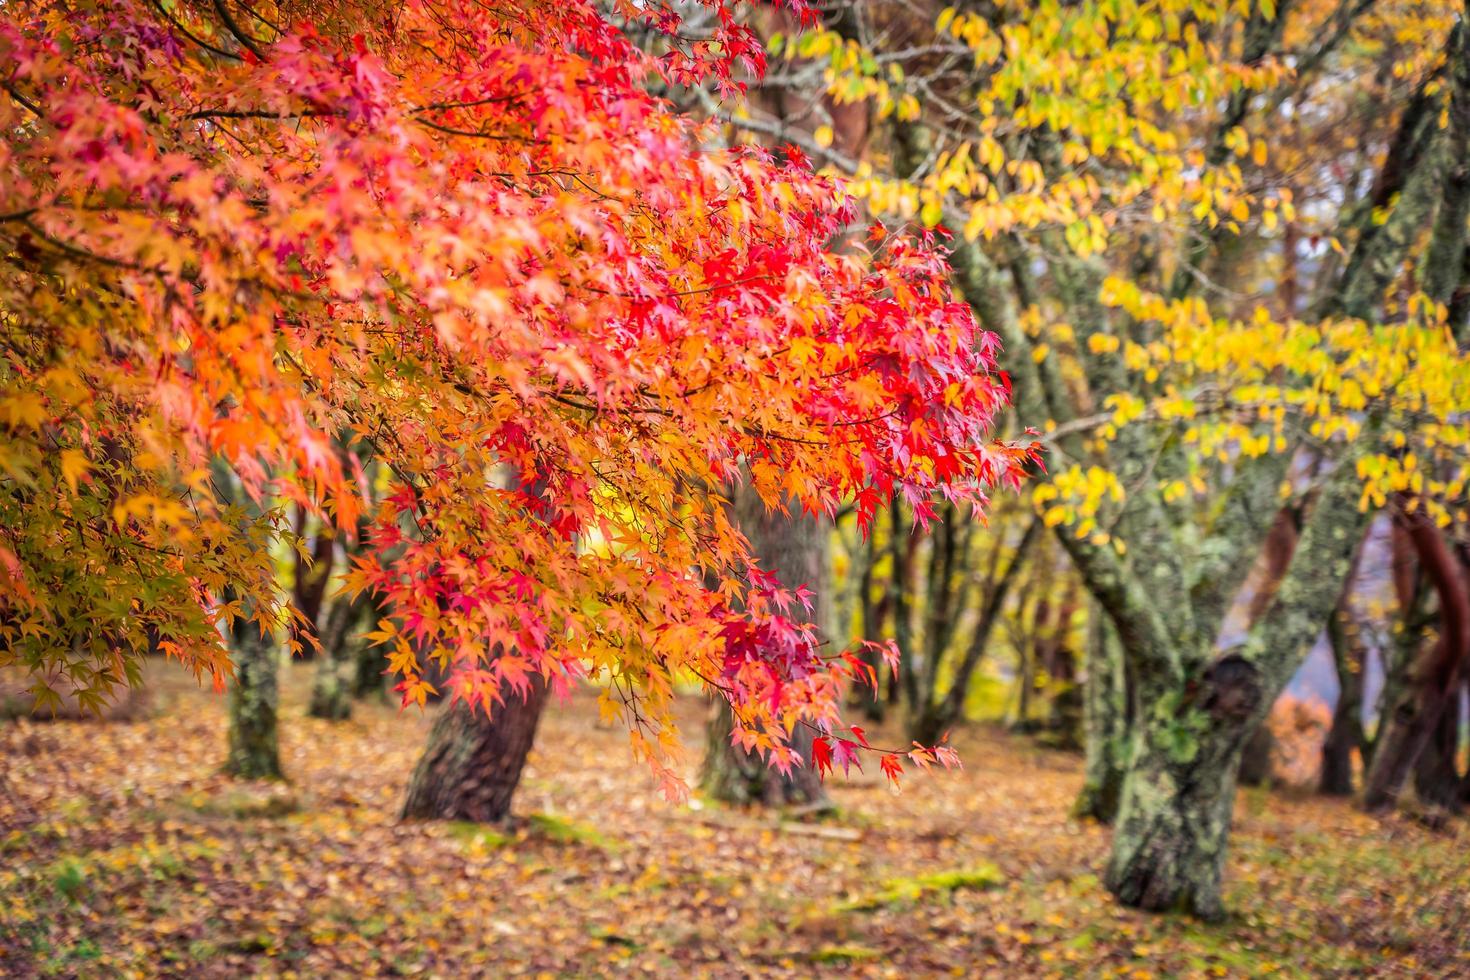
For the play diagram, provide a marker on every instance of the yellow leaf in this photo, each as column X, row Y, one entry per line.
column 74, row 465
column 23, row 409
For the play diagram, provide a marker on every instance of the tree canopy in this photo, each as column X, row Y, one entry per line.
column 463, row 242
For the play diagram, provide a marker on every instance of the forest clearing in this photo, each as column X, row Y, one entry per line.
column 138, row 857
column 972, row 490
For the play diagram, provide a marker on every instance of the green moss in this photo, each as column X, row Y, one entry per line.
column 565, row 831
column 478, row 834
column 844, row 954
column 242, row 803
column 909, row 890
column 68, row 875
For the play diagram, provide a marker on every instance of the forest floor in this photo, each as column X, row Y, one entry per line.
column 123, row 851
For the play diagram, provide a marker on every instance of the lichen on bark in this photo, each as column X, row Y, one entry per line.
column 254, row 752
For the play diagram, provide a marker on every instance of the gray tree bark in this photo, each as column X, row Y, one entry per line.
column 1105, row 719
column 254, row 752
column 1169, row 843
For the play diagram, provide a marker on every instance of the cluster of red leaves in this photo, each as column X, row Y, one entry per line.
column 464, row 244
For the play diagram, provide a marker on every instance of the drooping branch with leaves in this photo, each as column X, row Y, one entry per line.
column 465, row 243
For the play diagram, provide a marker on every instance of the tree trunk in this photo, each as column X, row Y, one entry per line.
column 1416, row 616
column 1194, row 717
column 369, row 665
column 331, row 694
column 473, row 761
column 904, row 548
column 1280, row 546
column 1255, row 757
column 1432, row 682
column 873, row 612
column 1105, row 718
column 254, row 753
column 1026, row 672
column 313, row 575
column 732, row 775
column 1169, row 840
column 939, row 715
column 1064, row 716
column 794, row 550
column 1346, row 734
column 1436, row 778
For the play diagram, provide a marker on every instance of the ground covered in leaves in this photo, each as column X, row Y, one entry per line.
column 122, row 851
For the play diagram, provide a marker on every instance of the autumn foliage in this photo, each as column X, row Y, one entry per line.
column 449, row 276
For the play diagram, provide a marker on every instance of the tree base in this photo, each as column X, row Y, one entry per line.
column 732, row 775
column 473, row 762
column 254, row 752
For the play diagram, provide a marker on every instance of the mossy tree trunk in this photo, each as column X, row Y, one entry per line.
column 1174, row 817
column 472, row 763
column 254, row 751
column 1105, row 708
column 794, row 549
column 1198, row 709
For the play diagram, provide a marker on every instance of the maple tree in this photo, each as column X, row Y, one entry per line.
column 465, row 243
column 1223, row 244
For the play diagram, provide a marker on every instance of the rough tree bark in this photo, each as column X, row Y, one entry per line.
column 254, row 751
column 1169, row 843
column 1105, row 707
column 473, row 761
column 793, row 548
